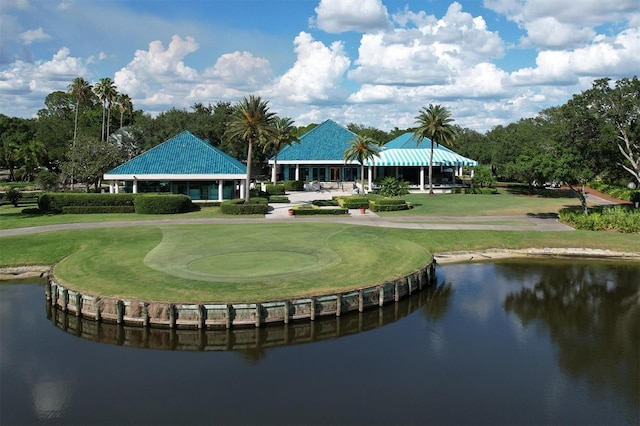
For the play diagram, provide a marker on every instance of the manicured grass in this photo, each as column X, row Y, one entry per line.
column 12, row 217
column 501, row 204
column 195, row 263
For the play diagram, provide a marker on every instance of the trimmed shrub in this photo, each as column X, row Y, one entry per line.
column 293, row 185
column 13, row 196
column 238, row 207
column 279, row 199
column 162, row 204
column 320, row 203
column 53, row 202
column 485, row 191
column 319, row 211
column 275, row 189
column 31, row 210
column 388, row 205
column 617, row 218
column 97, row 209
column 354, row 202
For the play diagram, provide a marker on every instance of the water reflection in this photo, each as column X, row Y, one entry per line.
column 253, row 341
column 594, row 323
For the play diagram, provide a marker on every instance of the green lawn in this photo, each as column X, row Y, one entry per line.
column 197, row 262
column 502, row 204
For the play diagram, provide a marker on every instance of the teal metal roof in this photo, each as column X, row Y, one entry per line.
column 180, row 155
column 405, row 151
column 326, row 142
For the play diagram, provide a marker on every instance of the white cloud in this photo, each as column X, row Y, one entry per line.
column 241, row 69
column 31, row 36
column 337, row 16
column 316, row 74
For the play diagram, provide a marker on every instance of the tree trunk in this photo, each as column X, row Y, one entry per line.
column 431, row 170
column 248, row 180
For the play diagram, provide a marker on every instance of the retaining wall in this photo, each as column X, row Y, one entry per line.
column 221, row 315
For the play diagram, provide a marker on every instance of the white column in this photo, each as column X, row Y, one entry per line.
column 274, row 173
column 220, row 189
column 421, row 178
column 135, row 186
column 242, row 188
column 116, row 187
column 111, row 188
column 370, row 173
column 297, row 171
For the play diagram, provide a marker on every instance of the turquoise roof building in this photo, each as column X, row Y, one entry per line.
column 320, row 157
column 184, row 164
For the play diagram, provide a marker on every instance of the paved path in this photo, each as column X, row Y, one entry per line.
column 279, row 213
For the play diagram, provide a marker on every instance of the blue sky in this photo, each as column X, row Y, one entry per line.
column 371, row 62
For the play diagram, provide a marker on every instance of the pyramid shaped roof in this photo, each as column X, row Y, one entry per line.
column 181, row 156
column 325, row 143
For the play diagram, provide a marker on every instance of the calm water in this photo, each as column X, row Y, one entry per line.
column 528, row 342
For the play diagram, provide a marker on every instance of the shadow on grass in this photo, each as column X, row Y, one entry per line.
column 540, row 192
column 550, row 215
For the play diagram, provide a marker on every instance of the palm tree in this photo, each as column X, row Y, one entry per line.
column 105, row 90
column 124, row 104
column 80, row 89
column 361, row 149
column 251, row 122
column 283, row 136
column 434, row 123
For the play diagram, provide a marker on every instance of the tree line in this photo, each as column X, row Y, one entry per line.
column 594, row 135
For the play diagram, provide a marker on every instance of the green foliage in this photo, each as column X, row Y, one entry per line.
column 90, row 159
column 240, row 207
column 162, row 204
column 616, row 191
column 302, row 211
column 617, row 218
column 55, row 202
column 483, row 176
column 320, row 203
column 277, row 189
column 483, row 191
column 388, row 205
column 392, row 187
column 13, row 196
column 279, row 199
column 48, row 181
column 97, row 209
column 354, row 202
column 293, row 185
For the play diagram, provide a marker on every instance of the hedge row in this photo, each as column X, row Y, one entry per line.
column 279, row 199
column 389, row 205
column 275, row 189
column 293, row 185
column 97, row 209
column 256, row 205
column 624, row 219
column 318, row 211
column 55, row 201
column 163, row 204
column 354, row 202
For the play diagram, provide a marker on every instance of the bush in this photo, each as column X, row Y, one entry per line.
column 53, row 202
column 97, row 209
column 617, row 218
column 238, row 207
column 293, row 185
column 31, row 210
column 162, row 204
column 275, row 189
column 354, row 202
column 13, row 196
column 392, row 187
column 307, row 211
column 279, row 199
column 388, row 205
column 485, row 191
column 319, row 203
column 48, row 181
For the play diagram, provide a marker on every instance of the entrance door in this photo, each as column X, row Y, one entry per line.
column 334, row 174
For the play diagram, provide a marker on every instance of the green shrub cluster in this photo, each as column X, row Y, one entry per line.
column 53, row 202
column 256, row 205
column 319, row 211
column 162, row 204
column 279, row 199
column 617, row 218
column 354, row 202
column 277, row 189
column 293, row 185
column 619, row 192
column 13, row 196
column 97, row 209
column 388, row 205
column 320, row 203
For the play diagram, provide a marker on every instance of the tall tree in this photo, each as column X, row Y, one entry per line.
column 283, row 135
column 124, row 105
column 361, row 149
column 105, row 90
column 90, row 159
column 251, row 122
column 80, row 89
column 435, row 123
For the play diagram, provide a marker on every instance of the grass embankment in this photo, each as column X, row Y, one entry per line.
column 232, row 262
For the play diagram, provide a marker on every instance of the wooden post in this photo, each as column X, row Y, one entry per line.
column 338, row 304
column 120, row 311
column 172, row 316
column 202, row 316
column 258, row 314
column 286, row 312
column 229, row 313
column 312, row 312
column 361, row 300
column 381, row 295
column 65, row 299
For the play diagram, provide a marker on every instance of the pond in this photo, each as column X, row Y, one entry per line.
column 511, row 342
